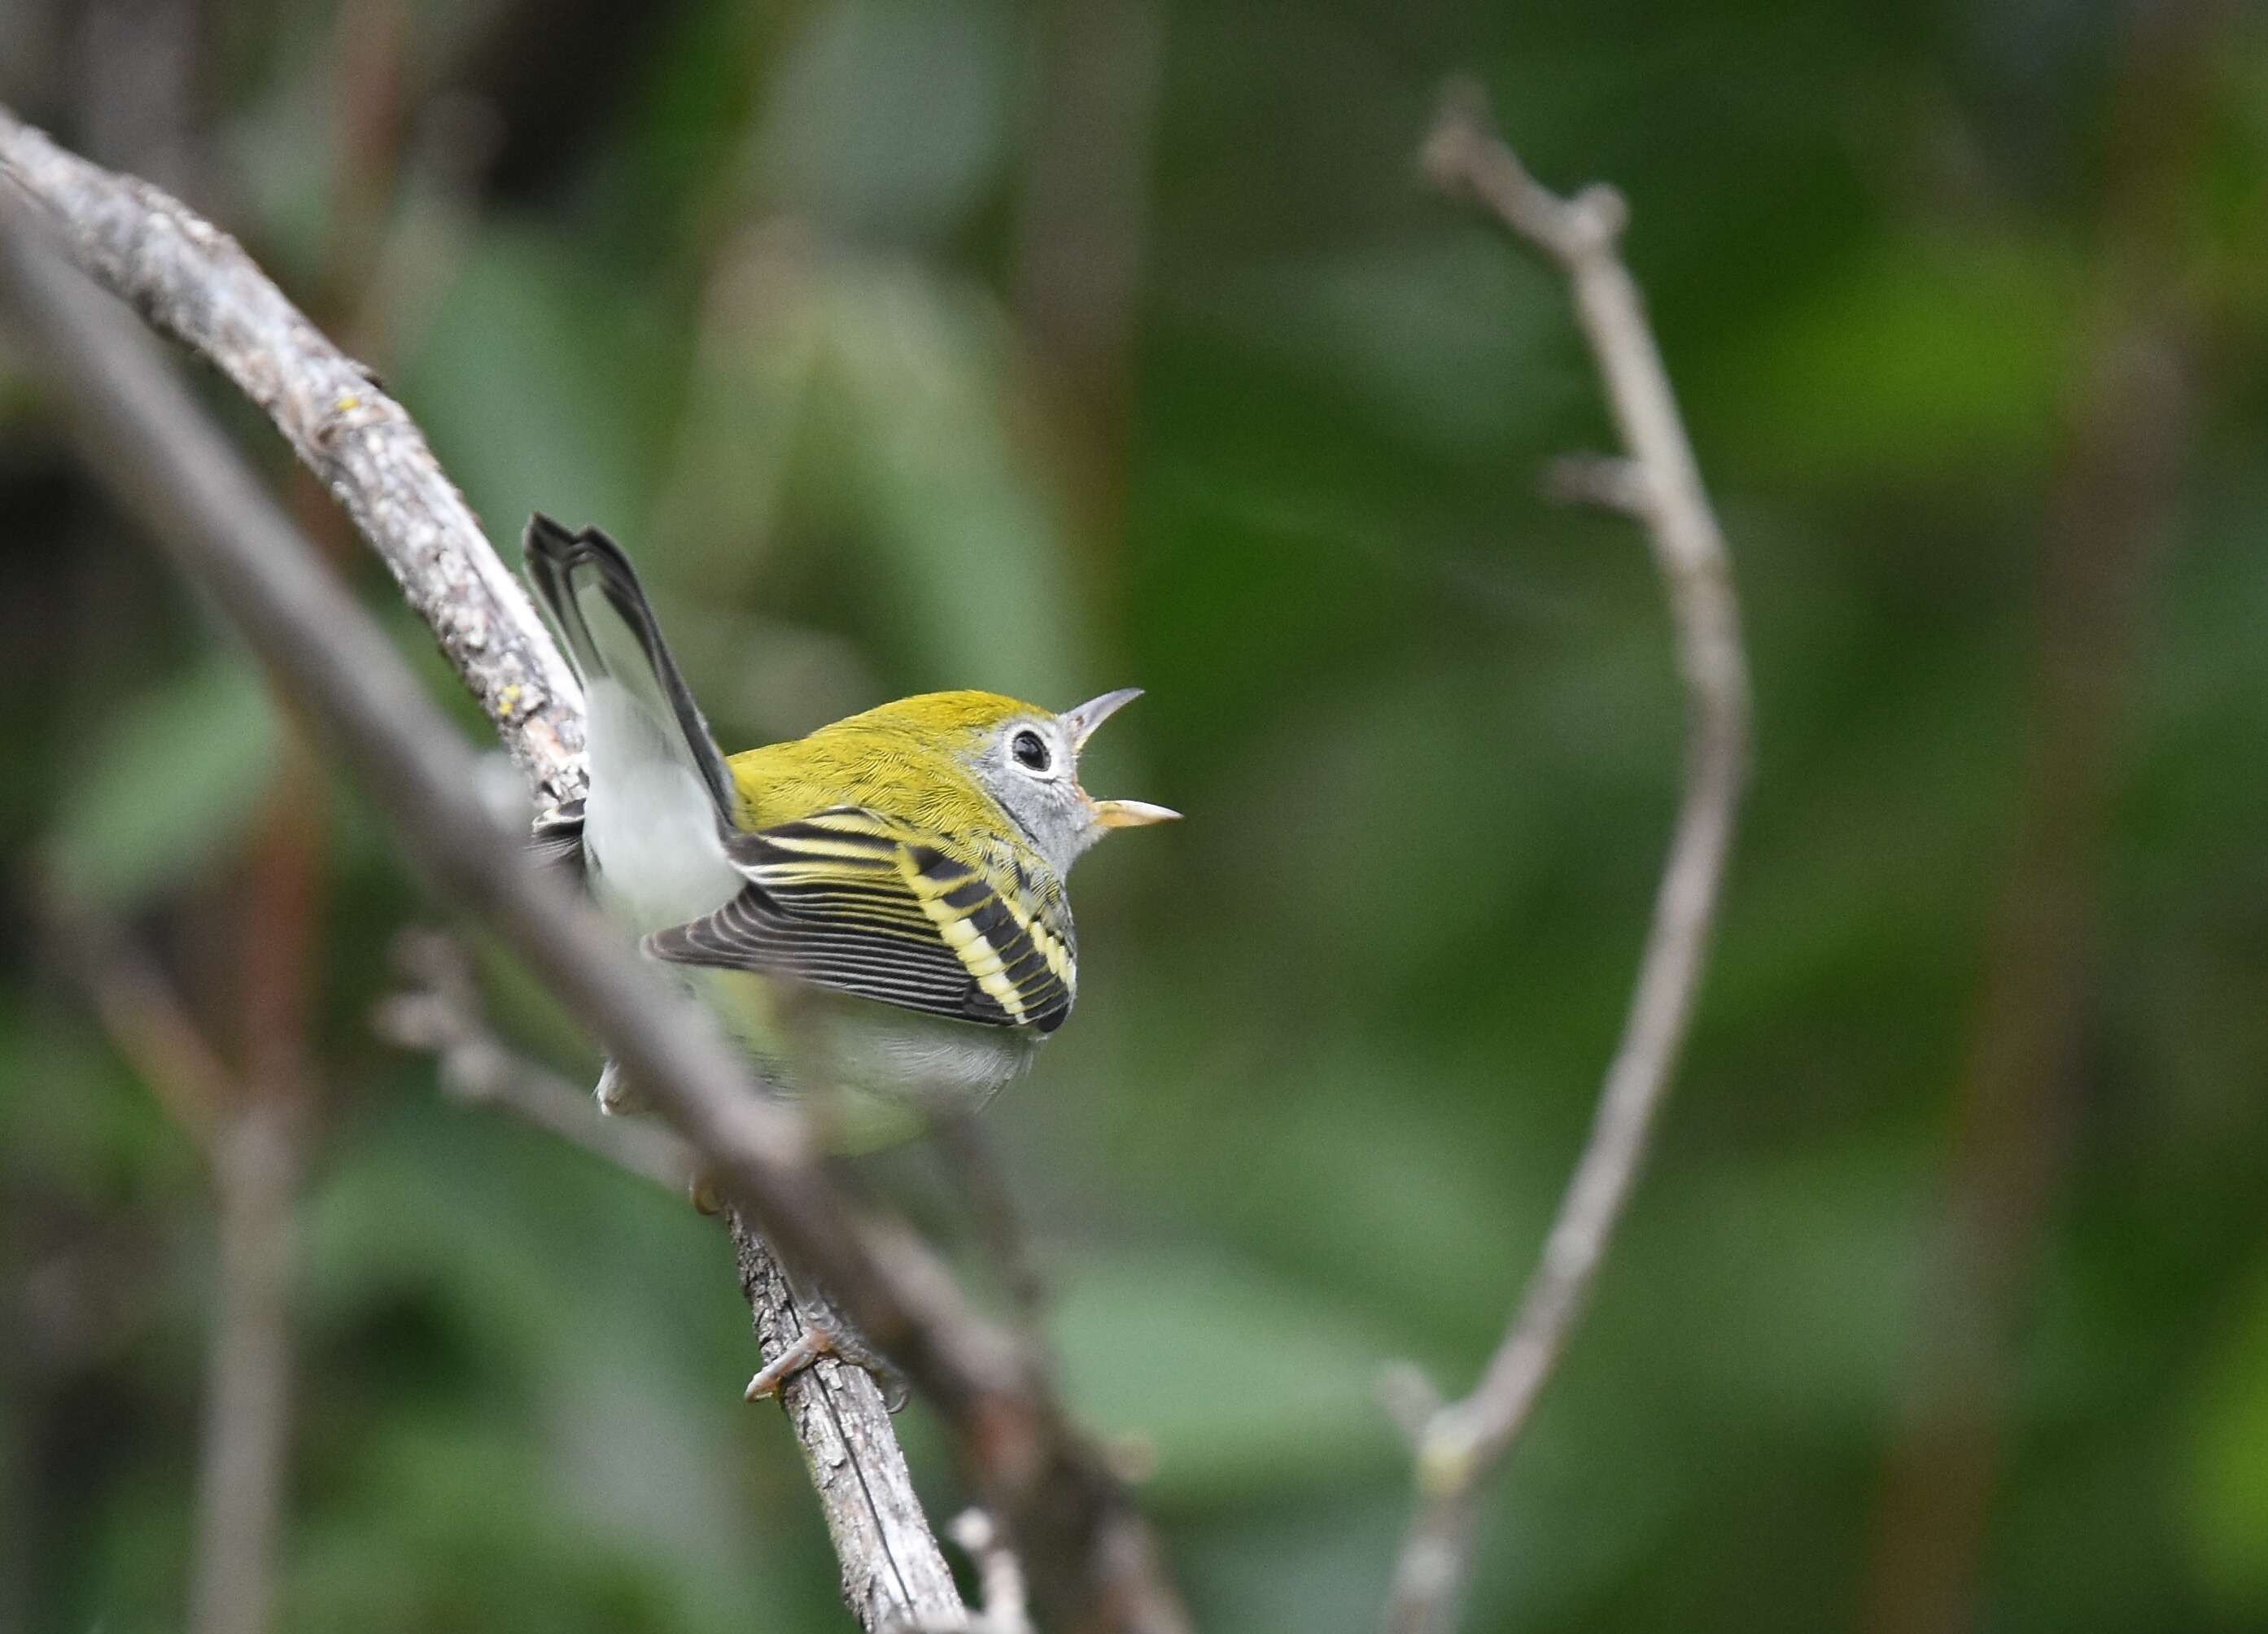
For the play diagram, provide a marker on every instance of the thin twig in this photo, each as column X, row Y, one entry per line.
column 139, row 1011
column 1089, row 1559
column 437, row 1011
column 251, row 1135
column 257, row 1155
column 1462, row 1444
column 968, row 1148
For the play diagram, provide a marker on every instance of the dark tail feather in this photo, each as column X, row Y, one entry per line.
column 588, row 584
column 557, row 839
column 548, row 553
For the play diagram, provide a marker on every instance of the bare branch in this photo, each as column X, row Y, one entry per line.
column 250, row 1131
column 257, row 1155
column 1606, row 480
column 1092, row 1563
column 142, row 429
column 194, row 283
column 889, row 1560
column 437, row 1011
column 1463, row 1443
column 139, row 1011
column 967, row 1147
column 892, row 1571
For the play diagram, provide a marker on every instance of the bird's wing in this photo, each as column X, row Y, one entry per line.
column 853, row 901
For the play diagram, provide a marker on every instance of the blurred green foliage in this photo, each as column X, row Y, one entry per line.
column 918, row 344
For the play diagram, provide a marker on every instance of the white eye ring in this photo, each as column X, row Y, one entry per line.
column 1030, row 753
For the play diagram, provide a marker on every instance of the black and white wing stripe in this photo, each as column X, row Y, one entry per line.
column 850, row 900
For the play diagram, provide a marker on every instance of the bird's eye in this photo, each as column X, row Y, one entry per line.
column 1030, row 753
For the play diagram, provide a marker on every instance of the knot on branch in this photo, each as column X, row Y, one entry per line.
column 351, row 410
column 1595, row 218
column 1465, row 158
column 1448, row 1453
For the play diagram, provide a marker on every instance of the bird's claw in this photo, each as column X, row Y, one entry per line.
column 819, row 1340
column 808, row 1347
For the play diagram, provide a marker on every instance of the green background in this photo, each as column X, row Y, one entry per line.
column 960, row 344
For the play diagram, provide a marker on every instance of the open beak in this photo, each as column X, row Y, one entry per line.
column 1132, row 813
column 1090, row 714
column 1082, row 722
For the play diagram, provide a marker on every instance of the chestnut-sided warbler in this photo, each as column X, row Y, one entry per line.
column 875, row 911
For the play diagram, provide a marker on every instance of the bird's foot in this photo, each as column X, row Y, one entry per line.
column 809, row 1346
column 824, row 1338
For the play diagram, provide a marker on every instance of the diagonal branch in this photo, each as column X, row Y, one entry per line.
column 1461, row 1444
column 1089, row 1559
column 141, row 429
column 141, row 1011
column 881, row 1533
column 193, row 282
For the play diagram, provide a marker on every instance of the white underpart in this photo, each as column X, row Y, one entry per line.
column 649, row 826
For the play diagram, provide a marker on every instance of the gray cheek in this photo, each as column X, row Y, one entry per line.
column 1052, row 813
column 1069, row 831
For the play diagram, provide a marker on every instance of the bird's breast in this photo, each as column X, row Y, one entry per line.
column 875, row 1074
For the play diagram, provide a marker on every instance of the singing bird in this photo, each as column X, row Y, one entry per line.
column 877, row 911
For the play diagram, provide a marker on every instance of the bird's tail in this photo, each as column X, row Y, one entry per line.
column 588, row 586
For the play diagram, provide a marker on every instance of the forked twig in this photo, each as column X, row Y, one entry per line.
column 1460, row 1443
column 437, row 1011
